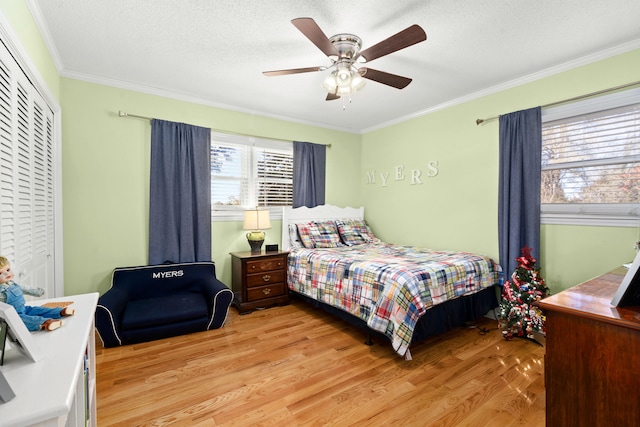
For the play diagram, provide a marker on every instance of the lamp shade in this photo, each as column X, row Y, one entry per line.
column 330, row 83
column 343, row 75
column 256, row 219
column 343, row 81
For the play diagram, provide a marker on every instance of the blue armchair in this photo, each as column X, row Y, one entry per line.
column 159, row 301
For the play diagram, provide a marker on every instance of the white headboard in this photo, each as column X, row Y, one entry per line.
column 319, row 213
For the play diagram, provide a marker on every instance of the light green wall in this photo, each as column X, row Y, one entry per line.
column 573, row 254
column 457, row 209
column 442, row 212
column 19, row 17
column 106, row 176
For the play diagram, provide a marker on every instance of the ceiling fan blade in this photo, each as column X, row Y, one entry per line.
column 405, row 38
column 388, row 79
column 312, row 31
column 291, row 71
column 331, row 97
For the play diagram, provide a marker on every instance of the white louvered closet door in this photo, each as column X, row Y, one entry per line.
column 26, row 178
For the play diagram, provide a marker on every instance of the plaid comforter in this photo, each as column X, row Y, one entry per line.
column 388, row 286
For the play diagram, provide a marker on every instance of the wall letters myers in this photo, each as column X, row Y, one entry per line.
column 415, row 175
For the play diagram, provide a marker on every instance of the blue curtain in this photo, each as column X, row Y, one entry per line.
column 309, row 166
column 180, row 193
column 519, row 181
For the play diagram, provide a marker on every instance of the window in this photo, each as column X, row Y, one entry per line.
column 247, row 172
column 591, row 161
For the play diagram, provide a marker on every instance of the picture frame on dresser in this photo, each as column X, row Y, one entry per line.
column 628, row 293
column 17, row 333
column 4, row 329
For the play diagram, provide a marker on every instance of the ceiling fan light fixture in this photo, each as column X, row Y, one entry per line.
column 342, row 91
column 330, row 82
column 357, row 82
column 343, row 75
column 344, row 80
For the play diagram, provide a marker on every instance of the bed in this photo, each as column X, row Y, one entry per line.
column 402, row 292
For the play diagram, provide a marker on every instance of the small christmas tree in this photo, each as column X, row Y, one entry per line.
column 518, row 316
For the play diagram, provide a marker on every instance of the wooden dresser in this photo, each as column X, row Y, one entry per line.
column 259, row 280
column 60, row 388
column 592, row 361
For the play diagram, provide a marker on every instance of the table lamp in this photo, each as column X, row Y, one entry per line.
column 256, row 220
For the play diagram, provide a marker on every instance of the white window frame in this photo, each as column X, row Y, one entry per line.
column 617, row 215
column 236, row 213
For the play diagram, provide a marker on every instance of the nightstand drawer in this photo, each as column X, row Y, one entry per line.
column 262, row 292
column 265, row 265
column 268, row 277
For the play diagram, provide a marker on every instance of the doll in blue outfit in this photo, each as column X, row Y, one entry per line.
column 34, row 317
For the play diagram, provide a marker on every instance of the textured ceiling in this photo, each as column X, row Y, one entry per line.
column 214, row 51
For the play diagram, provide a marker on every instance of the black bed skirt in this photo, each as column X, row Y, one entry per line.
column 438, row 319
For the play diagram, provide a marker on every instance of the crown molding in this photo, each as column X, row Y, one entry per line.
column 36, row 14
column 567, row 66
column 179, row 96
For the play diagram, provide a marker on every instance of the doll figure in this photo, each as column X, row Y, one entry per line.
column 35, row 318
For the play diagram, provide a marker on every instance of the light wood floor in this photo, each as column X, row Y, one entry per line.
column 298, row 366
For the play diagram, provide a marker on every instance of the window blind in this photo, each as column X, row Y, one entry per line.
column 248, row 172
column 274, row 177
column 229, row 174
column 592, row 158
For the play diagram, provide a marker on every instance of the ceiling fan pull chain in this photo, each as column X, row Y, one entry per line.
column 344, row 105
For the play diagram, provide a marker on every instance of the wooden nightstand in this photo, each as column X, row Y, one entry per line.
column 259, row 280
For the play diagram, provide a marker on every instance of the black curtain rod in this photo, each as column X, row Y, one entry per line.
column 576, row 98
column 123, row 114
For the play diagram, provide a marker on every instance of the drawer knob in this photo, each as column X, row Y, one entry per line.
column 266, row 291
column 266, row 277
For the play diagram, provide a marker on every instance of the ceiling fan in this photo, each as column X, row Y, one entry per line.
column 344, row 52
